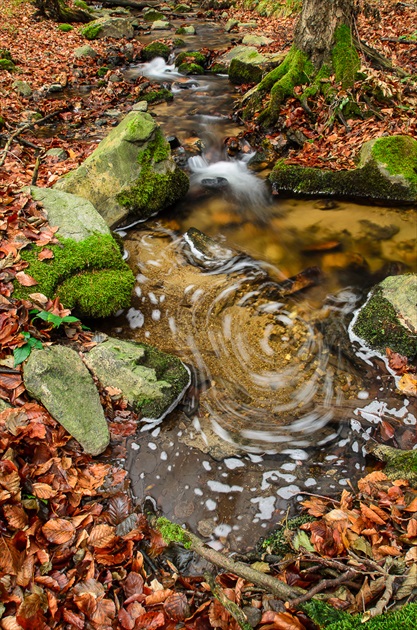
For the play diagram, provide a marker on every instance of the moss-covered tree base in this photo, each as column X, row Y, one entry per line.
column 59, row 11
column 298, row 69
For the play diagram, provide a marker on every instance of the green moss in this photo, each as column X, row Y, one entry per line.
column 65, row 28
column 6, row 54
column 178, row 42
column 218, row 68
column 241, row 72
column 5, row 64
column 320, row 84
column 154, row 191
column 171, row 532
column 158, row 149
column 101, row 72
column 378, row 325
column 346, row 62
column 329, row 618
column 399, row 154
column 89, row 276
column 399, row 464
column 158, row 96
column 362, row 184
column 91, row 31
column 190, row 68
column 82, row 5
column 155, row 49
column 190, row 57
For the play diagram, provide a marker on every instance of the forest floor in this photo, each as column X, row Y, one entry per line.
column 75, row 552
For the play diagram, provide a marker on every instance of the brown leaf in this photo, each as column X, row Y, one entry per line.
column 412, row 507
column 282, row 621
column 133, row 584
column 119, row 508
column 75, row 620
column 157, row 597
column 408, row 384
column 176, row 607
column 397, row 362
column 150, row 621
column 43, row 490
column 25, row 280
column 101, row 535
column 370, row 514
column 16, row 516
column 45, row 254
column 58, row 531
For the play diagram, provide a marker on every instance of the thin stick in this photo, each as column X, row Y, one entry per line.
column 323, row 585
column 230, row 606
column 36, row 169
column 379, row 608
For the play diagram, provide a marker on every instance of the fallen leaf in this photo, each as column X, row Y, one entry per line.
column 58, row 530
column 25, row 280
column 408, row 384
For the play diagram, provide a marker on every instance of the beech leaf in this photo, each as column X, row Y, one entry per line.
column 58, row 531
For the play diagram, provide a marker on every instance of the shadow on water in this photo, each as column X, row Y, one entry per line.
column 280, row 404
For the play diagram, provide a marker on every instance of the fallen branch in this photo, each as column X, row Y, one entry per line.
column 230, row 606
column 323, row 585
column 172, row 532
column 25, row 127
column 379, row 60
column 399, row 40
column 384, row 600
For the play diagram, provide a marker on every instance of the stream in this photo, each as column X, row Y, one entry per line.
column 281, row 403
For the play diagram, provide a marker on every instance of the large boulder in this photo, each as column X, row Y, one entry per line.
column 85, row 269
column 247, row 65
column 130, row 172
column 115, row 27
column 387, row 172
column 388, row 319
column 57, row 377
column 153, row 382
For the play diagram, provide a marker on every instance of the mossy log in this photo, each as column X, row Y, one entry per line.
column 399, row 464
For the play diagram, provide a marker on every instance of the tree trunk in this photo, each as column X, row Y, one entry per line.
column 315, row 31
column 323, row 45
column 58, row 10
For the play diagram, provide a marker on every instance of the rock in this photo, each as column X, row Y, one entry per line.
column 160, row 25
column 153, row 382
column 141, row 106
column 85, row 51
column 389, row 317
column 186, row 30
column 246, row 64
column 182, row 8
column 155, row 49
column 143, row 178
column 230, row 24
column 256, row 40
column 151, row 15
column 248, row 25
column 59, row 154
column 54, row 87
column 22, row 88
column 115, row 27
column 57, row 377
column 87, row 271
column 386, row 173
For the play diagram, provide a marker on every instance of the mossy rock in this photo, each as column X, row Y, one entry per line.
column 152, row 381
column 186, row 30
column 87, row 271
column 329, row 618
column 158, row 96
column 190, row 68
column 190, row 57
column 241, row 72
column 65, row 28
column 6, row 54
column 389, row 317
column 151, row 15
column 82, row 5
column 114, row 27
column 143, row 177
column 386, row 174
column 6, row 64
column 182, row 8
column 155, row 49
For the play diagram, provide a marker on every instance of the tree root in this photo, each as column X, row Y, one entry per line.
column 379, row 60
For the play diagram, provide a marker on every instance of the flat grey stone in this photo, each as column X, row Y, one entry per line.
column 57, row 377
column 85, row 51
column 22, row 88
column 58, row 153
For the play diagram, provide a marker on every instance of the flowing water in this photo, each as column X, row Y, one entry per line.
column 280, row 404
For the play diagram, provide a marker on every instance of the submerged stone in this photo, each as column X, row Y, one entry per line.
column 57, row 377
column 386, row 173
column 389, row 317
column 130, row 172
column 152, row 381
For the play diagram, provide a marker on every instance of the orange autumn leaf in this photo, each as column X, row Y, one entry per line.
column 368, row 513
column 408, row 384
column 388, row 550
column 45, row 254
column 282, row 621
column 412, row 507
column 58, row 530
column 101, row 535
column 25, row 280
column 412, row 528
column 373, row 477
column 43, row 490
column 16, row 516
column 157, row 597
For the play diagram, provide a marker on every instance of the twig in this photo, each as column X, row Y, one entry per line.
column 269, row 583
column 399, row 40
column 230, row 606
column 379, row 608
column 323, row 585
column 36, row 169
column 25, row 128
